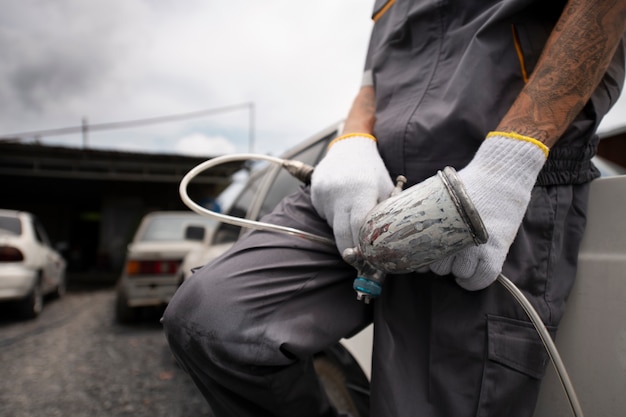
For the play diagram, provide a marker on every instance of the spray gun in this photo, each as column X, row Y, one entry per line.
column 413, row 228
column 369, row 281
column 410, row 229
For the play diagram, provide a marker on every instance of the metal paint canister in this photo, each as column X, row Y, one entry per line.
column 422, row 224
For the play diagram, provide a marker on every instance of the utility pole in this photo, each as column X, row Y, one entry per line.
column 85, row 130
column 251, row 129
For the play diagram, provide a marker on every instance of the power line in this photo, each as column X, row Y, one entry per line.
column 128, row 123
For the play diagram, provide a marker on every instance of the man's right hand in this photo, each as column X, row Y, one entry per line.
column 347, row 183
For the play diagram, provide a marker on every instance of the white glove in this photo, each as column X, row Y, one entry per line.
column 347, row 183
column 498, row 180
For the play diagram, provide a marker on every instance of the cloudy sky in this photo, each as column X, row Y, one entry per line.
column 106, row 61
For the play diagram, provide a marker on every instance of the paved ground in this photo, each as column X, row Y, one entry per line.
column 74, row 360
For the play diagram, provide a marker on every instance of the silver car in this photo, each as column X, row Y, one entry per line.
column 29, row 267
column 152, row 270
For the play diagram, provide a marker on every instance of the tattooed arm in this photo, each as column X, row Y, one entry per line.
column 571, row 66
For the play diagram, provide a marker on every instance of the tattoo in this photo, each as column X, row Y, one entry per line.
column 573, row 62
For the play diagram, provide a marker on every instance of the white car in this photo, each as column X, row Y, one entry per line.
column 152, row 271
column 592, row 336
column 29, row 267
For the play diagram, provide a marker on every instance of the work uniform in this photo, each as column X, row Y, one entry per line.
column 246, row 325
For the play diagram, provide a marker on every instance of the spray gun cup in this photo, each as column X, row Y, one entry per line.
column 458, row 194
column 422, row 224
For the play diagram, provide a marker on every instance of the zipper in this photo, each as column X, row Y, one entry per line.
column 520, row 54
column 383, row 10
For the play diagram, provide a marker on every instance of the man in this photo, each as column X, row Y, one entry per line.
column 440, row 76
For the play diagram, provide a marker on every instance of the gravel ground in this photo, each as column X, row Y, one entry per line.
column 74, row 360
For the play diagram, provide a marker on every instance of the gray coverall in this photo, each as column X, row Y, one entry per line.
column 445, row 72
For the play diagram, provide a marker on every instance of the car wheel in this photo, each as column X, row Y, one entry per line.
column 123, row 312
column 344, row 382
column 31, row 306
column 61, row 287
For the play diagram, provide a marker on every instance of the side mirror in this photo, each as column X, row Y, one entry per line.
column 195, row 233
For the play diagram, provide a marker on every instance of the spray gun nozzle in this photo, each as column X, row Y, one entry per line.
column 299, row 170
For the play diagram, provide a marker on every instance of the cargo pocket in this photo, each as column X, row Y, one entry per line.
column 516, row 363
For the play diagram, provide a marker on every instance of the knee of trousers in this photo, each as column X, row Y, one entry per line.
column 217, row 328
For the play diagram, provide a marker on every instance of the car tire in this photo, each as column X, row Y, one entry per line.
column 31, row 306
column 61, row 288
column 345, row 384
column 124, row 314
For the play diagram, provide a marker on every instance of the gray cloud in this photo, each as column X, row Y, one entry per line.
column 57, row 53
column 115, row 60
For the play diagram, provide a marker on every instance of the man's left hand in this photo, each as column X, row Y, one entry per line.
column 499, row 181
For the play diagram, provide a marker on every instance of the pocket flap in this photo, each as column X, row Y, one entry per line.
column 516, row 344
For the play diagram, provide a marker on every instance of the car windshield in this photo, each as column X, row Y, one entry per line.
column 11, row 225
column 228, row 195
column 282, row 184
column 172, row 228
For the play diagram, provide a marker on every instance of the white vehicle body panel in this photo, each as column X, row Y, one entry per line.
column 592, row 335
column 17, row 279
column 145, row 289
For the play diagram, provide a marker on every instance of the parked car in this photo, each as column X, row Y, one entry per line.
column 30, row 268
column 152, row 270
column 593, row 326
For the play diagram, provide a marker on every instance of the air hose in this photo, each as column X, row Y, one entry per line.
column 303, row 172
column 296, row 168
column 553, row 352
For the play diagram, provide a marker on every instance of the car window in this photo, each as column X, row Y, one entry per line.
column 171, row 228
column 282, row 185
column 40, row 232
column 227, row 232
column 11, row 225
column 226, row 198
column 285, row 184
